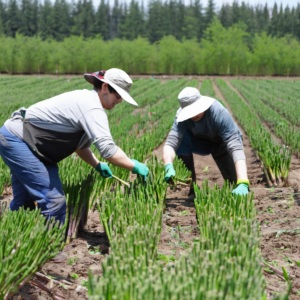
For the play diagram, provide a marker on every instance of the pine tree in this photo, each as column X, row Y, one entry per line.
column 235, row 15
column 133, row 25
column 266, row 18
column 2, row 18
column 209, row 13
column 84, row 19
column 102, row 20
column 199, row 19
column 13, row 22
column 45, row 24
column 274, row 21
column 29, row 17
column 225, row 15
column 280, row 22
column 287, row 22
column 297, row 22
column 154, row 22
column 115, row 20
column 189, row 26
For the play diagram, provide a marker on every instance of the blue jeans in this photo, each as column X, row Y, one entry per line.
column 31, row 179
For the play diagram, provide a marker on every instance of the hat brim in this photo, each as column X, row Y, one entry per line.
column 92, row 80
column 192, row 110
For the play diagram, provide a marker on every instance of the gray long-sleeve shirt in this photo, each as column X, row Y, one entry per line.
column 216, row 126
column 70, row 112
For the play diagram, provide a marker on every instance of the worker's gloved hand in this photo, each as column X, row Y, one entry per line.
column 169, row 172
column 104, row 170
column 140, row 169
column 241, row 189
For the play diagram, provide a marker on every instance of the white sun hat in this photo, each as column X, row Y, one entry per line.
column 117, row 79
column 192, row 103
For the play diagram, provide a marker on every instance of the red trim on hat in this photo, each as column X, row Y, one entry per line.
column 100, row 77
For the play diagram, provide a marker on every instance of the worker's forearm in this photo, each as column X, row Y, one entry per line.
column 168, row 155
column 120, row 159
column 241, row 169
column 88, row 156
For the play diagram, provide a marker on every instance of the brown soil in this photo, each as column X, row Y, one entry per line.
column 165, row 78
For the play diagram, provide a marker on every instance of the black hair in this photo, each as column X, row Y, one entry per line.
column 98, row 84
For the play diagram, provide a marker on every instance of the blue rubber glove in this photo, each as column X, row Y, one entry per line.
column 104, row 170
column 140, row 169
column 241, row 189
column 169, row 172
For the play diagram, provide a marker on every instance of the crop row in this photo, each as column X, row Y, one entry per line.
column 82, row 187
column 219, row 266
column 275, row 158
column 282, row 128
column 281, row 95
column 224, row 262
column 26, row 243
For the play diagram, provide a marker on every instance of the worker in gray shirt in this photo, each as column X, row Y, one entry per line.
column 35, row 139
column 204, row 126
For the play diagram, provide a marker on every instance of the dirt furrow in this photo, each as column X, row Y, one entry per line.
column 277, row 209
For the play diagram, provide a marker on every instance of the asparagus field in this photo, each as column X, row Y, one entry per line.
column 147, row 240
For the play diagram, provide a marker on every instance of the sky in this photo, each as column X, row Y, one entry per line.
column 219, row 3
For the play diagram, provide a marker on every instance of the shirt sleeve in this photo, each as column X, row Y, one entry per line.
column 229, row 132
column 176, row 134
column 95, row 124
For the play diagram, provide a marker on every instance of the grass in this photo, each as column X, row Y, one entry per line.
column 72, row 260
column 75, row 276
column 84, row 283
column 185, row 213
column 166, row 258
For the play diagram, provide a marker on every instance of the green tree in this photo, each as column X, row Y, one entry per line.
column 84, row 18
column 197, row 6
column 29, row 18
column 189, row 26
column 225, row 15
column 13, row 21
column 102, row 20
column 154, row 22
column 45, row 22
column 2, row 18
column 235, row 14
column 273, row 30
column 115, row 20
column 209, row 13
column 134, row 23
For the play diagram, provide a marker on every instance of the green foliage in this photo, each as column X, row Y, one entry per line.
column 72, row 260
column 26, row 243
column 74, row 276
column 228, row 51
column 281, row 99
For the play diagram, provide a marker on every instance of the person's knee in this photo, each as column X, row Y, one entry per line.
column 57, row 205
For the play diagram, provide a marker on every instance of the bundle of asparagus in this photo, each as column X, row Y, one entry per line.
column 78, row 196
column 26, row 243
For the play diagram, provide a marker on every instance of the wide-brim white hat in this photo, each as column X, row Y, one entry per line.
column 117, row 79
column 192, row 103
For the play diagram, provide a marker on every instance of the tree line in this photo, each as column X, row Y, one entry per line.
column 229, row 51
column 123, row 20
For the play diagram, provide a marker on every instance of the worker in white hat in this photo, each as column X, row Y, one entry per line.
column 35, row 139
column 204, row 126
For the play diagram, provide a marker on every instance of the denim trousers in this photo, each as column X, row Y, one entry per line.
column 32, row 180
